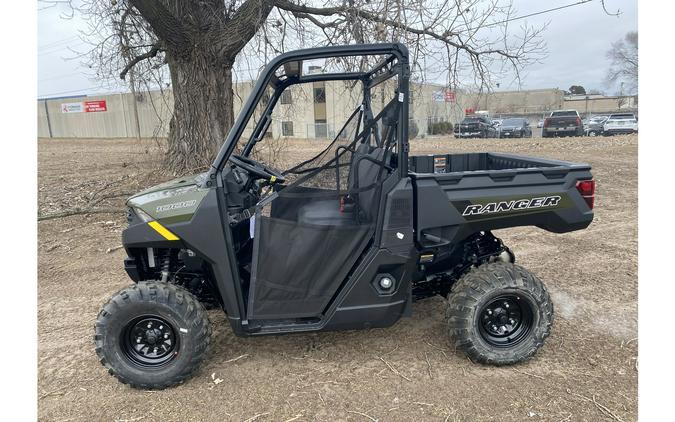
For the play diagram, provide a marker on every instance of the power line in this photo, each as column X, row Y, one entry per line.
column 64, row 92
column 55, row 43
column 538, row 13
column 56, row 50
column 65, row 75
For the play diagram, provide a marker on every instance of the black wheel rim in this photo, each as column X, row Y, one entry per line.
column 506, row 320
column 149, row 341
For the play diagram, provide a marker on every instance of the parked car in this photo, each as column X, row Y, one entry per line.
column 594, row 125
column 562, row 123
column 516, row 127
column 475, row 126
column 620, row 123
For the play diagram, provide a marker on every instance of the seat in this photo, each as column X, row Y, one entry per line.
column 325, row 213
column 364, row 172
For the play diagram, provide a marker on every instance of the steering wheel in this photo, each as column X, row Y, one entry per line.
column 257, row 169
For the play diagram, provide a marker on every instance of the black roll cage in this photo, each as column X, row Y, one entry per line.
column 395, row 63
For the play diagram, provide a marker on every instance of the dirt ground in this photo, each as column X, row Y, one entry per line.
column 587, row 371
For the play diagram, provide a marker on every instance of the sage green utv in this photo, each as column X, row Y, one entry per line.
column 347, row 239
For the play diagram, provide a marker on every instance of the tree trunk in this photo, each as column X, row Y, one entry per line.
column 203, row 111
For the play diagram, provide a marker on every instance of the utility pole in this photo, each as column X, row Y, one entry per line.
column 49, row 123
column 134, row 105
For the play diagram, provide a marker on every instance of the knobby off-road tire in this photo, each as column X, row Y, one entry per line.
column 491, row 287
column 166, row 318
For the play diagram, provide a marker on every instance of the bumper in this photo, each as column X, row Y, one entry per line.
column 617, row 131
column 562, row 130
column 468, row 134
column 510, row 134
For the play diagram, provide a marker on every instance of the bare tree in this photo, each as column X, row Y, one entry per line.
column 200, row 41
column 624, row 62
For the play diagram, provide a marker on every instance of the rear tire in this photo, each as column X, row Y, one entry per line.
column 499, row 313
column 152, row 335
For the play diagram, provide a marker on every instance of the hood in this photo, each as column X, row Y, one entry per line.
column 172, row 184
column 172, row 201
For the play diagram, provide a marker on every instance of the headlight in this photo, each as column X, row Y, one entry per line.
column 143, row 215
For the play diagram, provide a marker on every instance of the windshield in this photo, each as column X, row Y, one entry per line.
column 569, row 113
column 512, row 122
column 622, row 117
column 471, row 120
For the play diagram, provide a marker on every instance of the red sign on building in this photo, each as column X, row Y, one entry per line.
column 449, row 96
column 95, row 106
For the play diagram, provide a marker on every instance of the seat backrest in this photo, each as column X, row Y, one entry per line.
column 361, row 150
column 369, row 173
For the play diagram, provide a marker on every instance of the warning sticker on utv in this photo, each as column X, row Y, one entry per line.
column 512, row 205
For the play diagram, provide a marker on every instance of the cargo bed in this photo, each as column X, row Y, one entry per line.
column 486, row 191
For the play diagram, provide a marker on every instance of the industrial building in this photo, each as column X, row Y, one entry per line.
column 315, row 111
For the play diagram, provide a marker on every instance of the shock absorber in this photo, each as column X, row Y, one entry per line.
column 166, row 264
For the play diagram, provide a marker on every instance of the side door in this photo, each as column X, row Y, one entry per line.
column 310, row 234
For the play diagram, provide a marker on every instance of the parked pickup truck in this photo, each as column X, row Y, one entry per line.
column 475, row 126
column 562, row 123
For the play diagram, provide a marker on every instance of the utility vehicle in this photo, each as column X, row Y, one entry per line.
column 347, row 239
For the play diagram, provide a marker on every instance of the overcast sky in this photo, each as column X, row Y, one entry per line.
column 577, row 39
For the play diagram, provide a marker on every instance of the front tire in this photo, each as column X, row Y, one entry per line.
column 152, row 335
column 499, row 313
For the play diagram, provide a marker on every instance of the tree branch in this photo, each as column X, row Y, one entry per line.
column 301, row 11
column 165, row 25
column 150, row 54
column 78, row 211
column 242, row 27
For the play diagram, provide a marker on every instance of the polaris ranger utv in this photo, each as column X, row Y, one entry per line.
column 348, row 239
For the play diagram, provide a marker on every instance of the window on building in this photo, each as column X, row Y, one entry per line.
column 320, row 128
column 287, row 128
column 286, row 97
column 320, row 95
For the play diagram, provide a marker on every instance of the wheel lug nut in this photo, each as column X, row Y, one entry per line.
column 161, row 327
column 166, row 335
column 489, row 311
column 138, row 340
column 506, row 305
column 149, row 324
column 511, row 321
column 494, row 327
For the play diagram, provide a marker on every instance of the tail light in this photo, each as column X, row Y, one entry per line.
column 546, row 122
column 587, row 190
column 578, row 121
